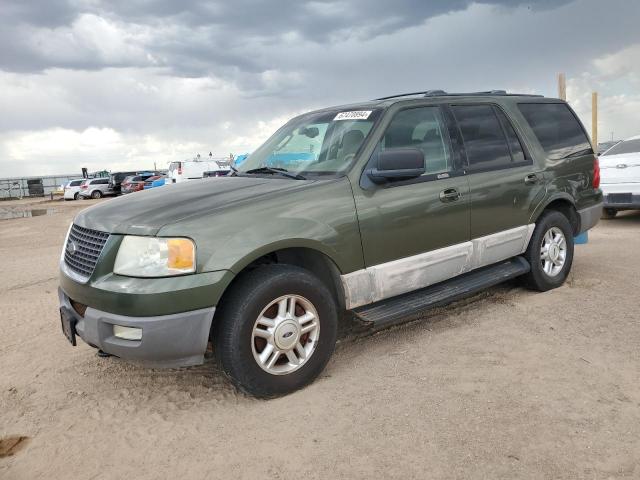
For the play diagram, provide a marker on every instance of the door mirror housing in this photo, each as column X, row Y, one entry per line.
column 397, row 164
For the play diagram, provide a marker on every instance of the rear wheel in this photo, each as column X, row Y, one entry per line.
column 550, row 252
column 275, row 331
column 609, row 213
column 76, row 196
column 96, row 194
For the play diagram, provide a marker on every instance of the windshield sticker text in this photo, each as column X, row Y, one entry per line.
column 357, row 115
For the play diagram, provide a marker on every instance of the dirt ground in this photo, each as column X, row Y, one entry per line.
column 508, row 384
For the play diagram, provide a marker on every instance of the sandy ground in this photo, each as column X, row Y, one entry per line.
column 508, row 384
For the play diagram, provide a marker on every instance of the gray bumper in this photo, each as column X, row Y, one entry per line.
column 589, row 217
column 169, row 341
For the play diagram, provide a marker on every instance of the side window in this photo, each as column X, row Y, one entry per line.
column 102, row 181
column 484, row 140
column 557, row 129
column 423, row 128
column 517, row 153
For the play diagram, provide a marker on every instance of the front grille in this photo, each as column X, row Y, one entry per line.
column 83, row 249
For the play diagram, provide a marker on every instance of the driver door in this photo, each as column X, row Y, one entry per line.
column 416, row 232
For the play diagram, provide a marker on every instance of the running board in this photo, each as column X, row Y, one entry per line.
column 396, row 309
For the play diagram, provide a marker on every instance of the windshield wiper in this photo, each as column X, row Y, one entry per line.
column 278, row 171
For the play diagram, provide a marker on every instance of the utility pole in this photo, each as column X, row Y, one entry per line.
column 594, row 120
column 562, row 87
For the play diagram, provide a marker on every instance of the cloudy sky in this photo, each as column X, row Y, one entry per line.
column 125, row 83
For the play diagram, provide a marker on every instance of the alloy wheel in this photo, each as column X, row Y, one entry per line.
column 285, row 334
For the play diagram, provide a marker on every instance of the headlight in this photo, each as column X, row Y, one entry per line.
column 155, row 257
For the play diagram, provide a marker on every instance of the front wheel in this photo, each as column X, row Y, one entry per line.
column 550, row 252
column 96, row 194
column 275, row 331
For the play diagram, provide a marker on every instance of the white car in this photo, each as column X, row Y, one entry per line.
column 72, row 189
column 195, row 169
column 620, row 177
column 95, row 188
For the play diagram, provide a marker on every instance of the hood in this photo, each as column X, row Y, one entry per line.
column 145, row 212
column 623, row 168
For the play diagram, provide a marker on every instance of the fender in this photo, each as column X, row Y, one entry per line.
column 547, row 201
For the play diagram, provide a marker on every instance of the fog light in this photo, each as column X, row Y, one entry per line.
column 127, row 333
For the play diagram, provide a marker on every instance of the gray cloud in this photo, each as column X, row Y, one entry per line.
column 196, row 37
column 121, row 82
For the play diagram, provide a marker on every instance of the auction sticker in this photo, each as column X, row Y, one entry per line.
column 356, row 115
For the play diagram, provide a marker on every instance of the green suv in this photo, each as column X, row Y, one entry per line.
column 381, row 209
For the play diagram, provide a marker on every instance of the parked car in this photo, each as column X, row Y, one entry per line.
column 215, row 173
column 72, row 189
column 95, row 188
column 116, row 178
column 155, row 181
column 408, row 202
column 194, row 169
column 135, row 183
column 620, row 166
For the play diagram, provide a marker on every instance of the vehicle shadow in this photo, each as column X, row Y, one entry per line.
column 189, row 386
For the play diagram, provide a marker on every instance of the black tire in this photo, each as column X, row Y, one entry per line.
column 537, row 278
column 609, row 213
column 96, row 194
column 238, row 311
column 76, row 196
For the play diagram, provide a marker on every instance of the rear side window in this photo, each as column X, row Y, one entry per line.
column 102, row 181
column 517, row 153
column 75, row 183
column 484, row 139
column 557, row 129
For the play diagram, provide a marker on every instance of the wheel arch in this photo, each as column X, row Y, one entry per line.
column 564, row 204
column 312, row 259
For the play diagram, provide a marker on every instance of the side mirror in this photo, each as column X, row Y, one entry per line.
column 397, row 164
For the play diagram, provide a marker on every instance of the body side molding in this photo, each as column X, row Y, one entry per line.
column 390, row 279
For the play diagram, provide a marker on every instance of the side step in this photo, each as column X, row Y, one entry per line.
column 395, row 309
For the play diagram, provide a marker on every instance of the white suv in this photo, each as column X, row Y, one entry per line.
column 72, row 189
column 620, row 177
column 95, row 188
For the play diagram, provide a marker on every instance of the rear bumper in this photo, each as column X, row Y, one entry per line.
column 169, row 341
column 621, row 195
column 589, row 217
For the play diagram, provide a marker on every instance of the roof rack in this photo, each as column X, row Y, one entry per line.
column 442, row 93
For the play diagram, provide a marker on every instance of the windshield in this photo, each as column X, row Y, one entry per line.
column 316, row 143
column 628, row 146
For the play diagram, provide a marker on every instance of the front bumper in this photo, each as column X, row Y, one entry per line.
column 169, row 341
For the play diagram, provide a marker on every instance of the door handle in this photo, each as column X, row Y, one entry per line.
column 531, row 179
column 449, row 195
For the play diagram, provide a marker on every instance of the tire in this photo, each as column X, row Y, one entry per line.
column 609, row 213
column 96, row 194
column 238, row 348
column 538, row 278
column 76, row 196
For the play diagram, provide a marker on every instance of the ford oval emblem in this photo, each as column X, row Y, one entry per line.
column 72, row 248
column 287, row 334
column 621, row 165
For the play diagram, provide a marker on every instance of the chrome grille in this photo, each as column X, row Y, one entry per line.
column 83, row 249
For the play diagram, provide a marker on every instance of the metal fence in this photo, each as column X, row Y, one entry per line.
column 20, row 187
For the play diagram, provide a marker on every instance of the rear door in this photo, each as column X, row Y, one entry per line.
column 504, row 183
column 621, row 163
